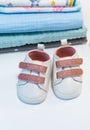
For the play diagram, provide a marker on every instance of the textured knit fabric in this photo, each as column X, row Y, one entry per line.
column 18, row 23
column 13, row 40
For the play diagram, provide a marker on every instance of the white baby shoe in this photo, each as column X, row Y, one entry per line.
column 67, row 74
column 33, row 81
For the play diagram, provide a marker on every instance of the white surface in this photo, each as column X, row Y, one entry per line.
column 53, row 113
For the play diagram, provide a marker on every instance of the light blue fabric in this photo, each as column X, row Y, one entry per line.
column 13, row 40
column 36, row 22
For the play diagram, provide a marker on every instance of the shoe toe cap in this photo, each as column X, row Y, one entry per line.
column 31, row 93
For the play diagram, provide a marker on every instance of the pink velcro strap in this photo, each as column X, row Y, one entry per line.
column 69, row 73
column 69, row 62
column 31, row 78
column 33, row 67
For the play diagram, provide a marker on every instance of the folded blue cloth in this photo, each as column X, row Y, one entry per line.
column 37, row 22
column 13, row 40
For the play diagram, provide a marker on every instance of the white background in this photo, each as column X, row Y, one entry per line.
column 53, row 113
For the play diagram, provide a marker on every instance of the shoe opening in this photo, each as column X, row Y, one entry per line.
column 65, row 51
column 39, row 55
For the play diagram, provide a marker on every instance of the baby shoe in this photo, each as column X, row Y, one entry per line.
column 67, row 74
column 33, row 81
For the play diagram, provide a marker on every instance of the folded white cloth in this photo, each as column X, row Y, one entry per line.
column 30, row 9
column 37, row 2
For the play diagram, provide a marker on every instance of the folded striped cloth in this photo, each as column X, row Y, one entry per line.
column 29, row 9
column 37, row 2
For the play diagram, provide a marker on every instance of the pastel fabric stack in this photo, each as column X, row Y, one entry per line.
column 35, row 20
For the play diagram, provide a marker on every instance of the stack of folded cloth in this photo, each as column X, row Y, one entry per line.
column 34, row 21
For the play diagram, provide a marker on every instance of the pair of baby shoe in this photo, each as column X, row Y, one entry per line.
column 33, row 81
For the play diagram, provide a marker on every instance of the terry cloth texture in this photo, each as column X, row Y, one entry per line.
column 13, row 40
